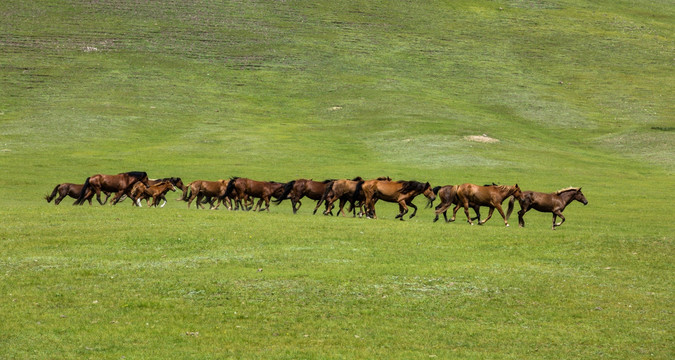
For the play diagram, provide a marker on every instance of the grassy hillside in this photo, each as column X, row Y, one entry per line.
column 576, row 93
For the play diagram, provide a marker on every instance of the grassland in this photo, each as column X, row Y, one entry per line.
column 577, row 93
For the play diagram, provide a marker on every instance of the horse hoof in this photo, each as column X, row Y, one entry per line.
column 507, row 225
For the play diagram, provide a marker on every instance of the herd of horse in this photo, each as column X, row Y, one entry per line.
column 240, row 193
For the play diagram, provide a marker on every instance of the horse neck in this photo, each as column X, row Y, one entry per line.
column 567, row 197
column 507, row 191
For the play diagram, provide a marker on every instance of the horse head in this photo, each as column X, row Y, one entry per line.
column 178, row 182
column 579, row 196
column 517, row 193
column 430, row 193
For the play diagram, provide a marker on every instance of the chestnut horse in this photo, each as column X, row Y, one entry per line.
column 448, row 197
column 554, row 203
column 121, row 184
column 344, row 190
column 240, row 188
column 135, row 192
column 72, row 190
column 401, row 192
column 205, row 189
column 297, row 189
column 156, row 192
column 491, row 196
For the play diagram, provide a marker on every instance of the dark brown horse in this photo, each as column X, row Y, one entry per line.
column 344, row 190
column 72, row 190
column 448, row 196
column 491, row 196
column 121, row 184
column 201, row 189
column 401, row 192
column 554, row 203
column 240, row 188
column 155, row 192
column 297, row 189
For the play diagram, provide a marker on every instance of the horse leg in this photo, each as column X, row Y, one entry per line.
column 116, row 199
column 342, row 207
column 521, row 213
column 402, row 210
column 414, row 209
column 501, row 212
column 98, row 196
column 60, row 198
column 562, row 218
column 492, row 209
column 107, row 196
column 329, row 206
column 258, row 206
column 164, row 199
column 193, row 195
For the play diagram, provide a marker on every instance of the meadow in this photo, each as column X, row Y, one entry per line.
column 577, row 94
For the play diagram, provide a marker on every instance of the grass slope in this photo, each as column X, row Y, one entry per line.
column 577, row 93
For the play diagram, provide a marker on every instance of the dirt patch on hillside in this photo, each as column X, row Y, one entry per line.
column 481, row 138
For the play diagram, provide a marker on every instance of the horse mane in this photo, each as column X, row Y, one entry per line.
column 136, row 174
column 387, row 178
column 412, row 185
column 566, row 190
column 327, row 181
column 358, row 178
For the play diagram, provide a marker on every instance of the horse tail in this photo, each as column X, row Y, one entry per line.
column 329, row 187
column 358, row 190
column 186, row 193
column 287, row 190
column 83, row 193
column 230, row 187
column 50, row 197
column 510, row 210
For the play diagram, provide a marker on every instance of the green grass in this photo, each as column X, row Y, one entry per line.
column 577, row 93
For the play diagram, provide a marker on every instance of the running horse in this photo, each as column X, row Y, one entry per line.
column 448, row 196
column 491, row 196
column 156, row 192
column 401, row 192
column 297, row 189
column 72, row 190
column 201, row 189
column 138, row 188
column 344, row 190
column 121, row 184
column 241, row 188
column 554, row 203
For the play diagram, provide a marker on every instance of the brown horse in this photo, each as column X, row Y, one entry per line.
column 297, row 189
column 448, row 196
column 120, row 184
column 344, row 190
column 554, row 203
column 201, row 189
column 491, row 196
column 240, row 188
column 401, row 192
column 135, row 192
column 72, row 190
column 155, row 192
